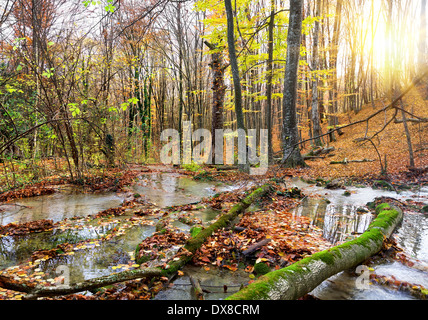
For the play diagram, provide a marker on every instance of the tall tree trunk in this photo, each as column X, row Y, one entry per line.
column 388, row 59
column 269, row 75
column 408, row 136
column 236, row 82
column 290, row 133
column 234, row 65
column 422, row 37
column 422, row 53
column 372, row 62
column 315, row 114
column 218, row 94
column 333, row 119
column 180, row 73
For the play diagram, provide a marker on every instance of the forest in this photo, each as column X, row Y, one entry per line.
column 213, row 149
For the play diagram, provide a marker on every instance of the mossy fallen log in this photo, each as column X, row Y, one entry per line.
column 194, row 243
column 300, row 278
column 34, row 292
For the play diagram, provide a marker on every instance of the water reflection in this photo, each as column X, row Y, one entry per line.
column 413, row 235
column 338, row 221
column 166, row 190
column 58, row 206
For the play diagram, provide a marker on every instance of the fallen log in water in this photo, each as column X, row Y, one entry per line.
column 193, row 244
column 34, row 292
column 302, row 277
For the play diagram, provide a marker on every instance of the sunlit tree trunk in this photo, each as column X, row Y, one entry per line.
column 422, row 36
column 333, row 119
column 234, row 65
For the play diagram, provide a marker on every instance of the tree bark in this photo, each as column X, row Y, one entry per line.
column 315, row 115
column 302, row 277
column 269, row 75
column 333, row 109
column 218, row 94
column 422, row 36
column 408, row 136
column 290, row 134
column 234, row 65
column 244, row 167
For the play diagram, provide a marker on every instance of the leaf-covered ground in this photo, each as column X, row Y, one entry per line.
column 391, row 142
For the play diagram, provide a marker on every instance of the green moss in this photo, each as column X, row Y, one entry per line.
column 371, row 205
column 142, row 259
column 382, row 184
column 193, row 167
column 194, row 231
column 381, row 207
column 385, row 218
column 425, row 208
column 203, row 176
column 261, row 268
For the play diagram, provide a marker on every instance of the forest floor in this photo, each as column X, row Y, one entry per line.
column 391, row 144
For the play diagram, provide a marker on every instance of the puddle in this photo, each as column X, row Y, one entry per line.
column 97, row 261
column 337, row 220
column 58, row 206
column 212, row 281
column 165, row 190
column 101, row 259
column 342, row 287
column 412, row 236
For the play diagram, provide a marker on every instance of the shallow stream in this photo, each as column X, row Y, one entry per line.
column 337, row 214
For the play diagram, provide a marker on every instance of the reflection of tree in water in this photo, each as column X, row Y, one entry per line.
column 413, row 235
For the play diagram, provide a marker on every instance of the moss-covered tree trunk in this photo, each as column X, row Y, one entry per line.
column 194, row 243
column 34, row 292
column 302, row 277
